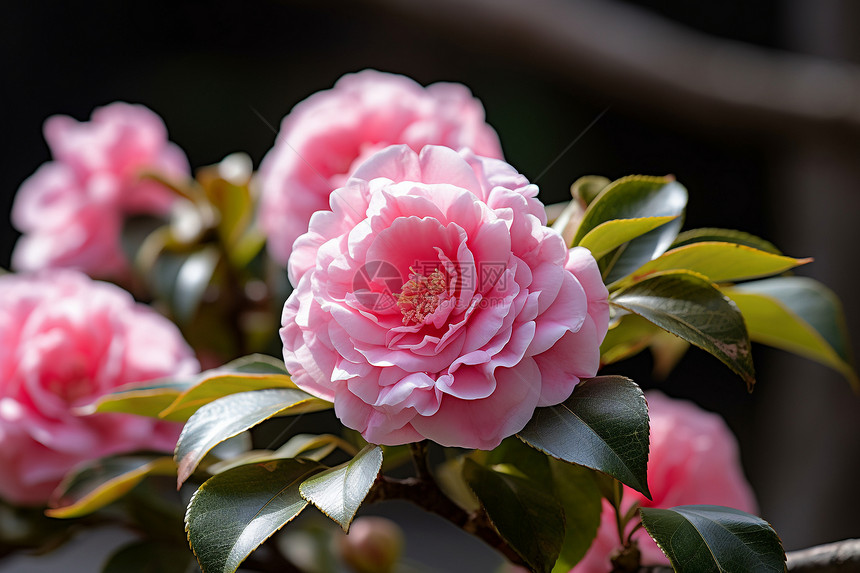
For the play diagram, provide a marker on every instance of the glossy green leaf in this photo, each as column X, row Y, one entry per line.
column 566, row 217
column 636, row 197
column 799, row 315
column 691, row 307
column 712, row 234
column 308, row 446
column 612, row 234
column 513, row 452
column 627, row 335
column 630, row 334
column 314, row 446
column 152, row 397
column 234, row 512
column 102, row 482
column 603, row 425
column 232, row 415
column 449, row 476
column 217, row 386
column 705, row 538
column 526, row 515
column 143, row 399
column 338, row 492
column 588, row 187
column 255, row 364
column 579, row 496
column 149, row 557
column 720, row 262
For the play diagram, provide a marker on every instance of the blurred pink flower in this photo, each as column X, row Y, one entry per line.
column 71, row 209
column 325, row 137
column 694, row 460
column 433, row 302
column 64, row 341
column 374, row 545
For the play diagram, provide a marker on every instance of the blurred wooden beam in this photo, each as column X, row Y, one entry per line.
column 653, row 63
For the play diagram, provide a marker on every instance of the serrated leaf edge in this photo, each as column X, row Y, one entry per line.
column 348, row 465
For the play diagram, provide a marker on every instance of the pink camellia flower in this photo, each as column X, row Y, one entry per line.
column 330, row 133
column 694, row 460
column 64, row 341
column 71, row 209
column 433, row 302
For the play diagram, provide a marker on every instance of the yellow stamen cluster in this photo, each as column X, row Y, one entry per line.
column 419, row 296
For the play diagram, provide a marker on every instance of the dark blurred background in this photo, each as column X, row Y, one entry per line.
column 754, row 106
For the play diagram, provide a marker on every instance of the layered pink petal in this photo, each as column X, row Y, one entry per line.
column 67, row 341
column 440, row 306
column 693, row 460
column 329, row 135
column 71, row 209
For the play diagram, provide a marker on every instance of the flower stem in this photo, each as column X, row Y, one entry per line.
column 424, row 492
column 419, row 459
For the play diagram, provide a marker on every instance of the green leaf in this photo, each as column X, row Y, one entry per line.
column 152, row 397
column 338, row 492
column 226, row 187
column 567, row 221
column 149, row 557
column 799, row 315
column 588, row 187
column 135, row 230
column 720, row 262
column 691, row 307
column 192, row 280
column 612, row 234
column 636, row 197
column 102, row 482
column 627, row 335
column 528, row 461
column 143, row 399
column 526, row 515
column 724, row 236
column 254, row 372
column 217, row 386
column 308, row 446
column 232, row 415
column 566, row 217
column 580, row 498
column 603, row 426
column 314, row 446
column 449, row 476
column 255, row 364
column 704, row 538
column 234, row 512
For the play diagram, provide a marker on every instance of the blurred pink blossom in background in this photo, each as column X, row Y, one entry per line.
column 694, row 460
column 433, row 302
column 325, row 137
column 64, row 341
column 71, row 209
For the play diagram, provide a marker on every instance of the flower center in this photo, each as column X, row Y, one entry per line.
column 419, row 296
